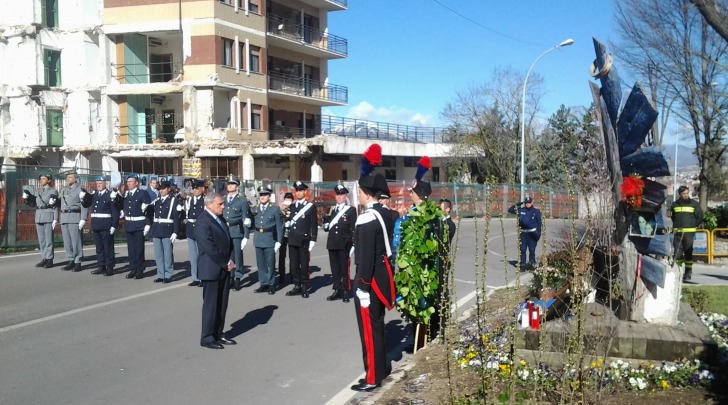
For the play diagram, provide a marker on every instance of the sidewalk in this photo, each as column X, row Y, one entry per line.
column 709, row 274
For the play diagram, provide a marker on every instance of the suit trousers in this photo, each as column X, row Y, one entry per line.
column 135, row 245
column 266, row 261
column 528, row 241
column 72, row 242
column 164, row 256
column 104, row 248
column 192, row 249
column 299, row 265
column 238, row 258
column 371, row 332
column 215, row 295
column 282, row 260
column 45, row 240
column 339, row 261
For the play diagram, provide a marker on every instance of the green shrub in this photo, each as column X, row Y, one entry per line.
column 697, row 299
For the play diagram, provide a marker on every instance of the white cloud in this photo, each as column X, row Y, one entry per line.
column 392, row 115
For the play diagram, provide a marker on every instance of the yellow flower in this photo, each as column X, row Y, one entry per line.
column 664, row 384
column 506, row 368
column 470, row 355
column 523, row 362
column 594, row 363
column 601, row 360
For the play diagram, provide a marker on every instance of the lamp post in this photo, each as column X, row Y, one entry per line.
column 523, row 113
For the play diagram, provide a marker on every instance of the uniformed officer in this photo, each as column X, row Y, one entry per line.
column 136, row 225
column 73, row 219
column 384, row 199
column 236, row 211
column 686, row 217
column 285, row 217
column 529, row 224
column 195, row 205
column 104, row 221
column 268, row 229
column 164, row 231
column 303, row 228
column 46, row 216
column 340, row 223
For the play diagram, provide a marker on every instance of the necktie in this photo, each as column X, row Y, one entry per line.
column 219, row 222
column 230, row 199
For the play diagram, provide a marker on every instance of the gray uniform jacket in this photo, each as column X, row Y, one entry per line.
column 234, row 213
column 72, row 212
column 267, row 226
column 45, row 213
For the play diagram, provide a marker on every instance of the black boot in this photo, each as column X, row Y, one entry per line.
column 42, row 263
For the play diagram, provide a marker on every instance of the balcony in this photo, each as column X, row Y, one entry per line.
column 299, row 89
column 135, row 73
column 355, row 128
column 292, row 35
column 157, row 128
column 329, row 5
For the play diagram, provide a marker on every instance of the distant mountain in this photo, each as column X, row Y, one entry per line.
column 685, row 155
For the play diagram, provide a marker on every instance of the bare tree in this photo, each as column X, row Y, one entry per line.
column 714, row 14
column 688, row 59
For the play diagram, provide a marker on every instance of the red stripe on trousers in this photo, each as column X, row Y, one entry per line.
column 348, row 273
column 366, row 323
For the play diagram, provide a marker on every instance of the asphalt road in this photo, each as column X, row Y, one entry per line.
column 78, row 338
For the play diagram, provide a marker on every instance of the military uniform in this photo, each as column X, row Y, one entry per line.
column 195, row 206
column 529, row 225
column 268, row 230
column 136, row 225
column 340, row 223
column 72, row 215
column 235, row 212
column 282, row 252
column 164, row 232
column 104, row 222
column 46, row 216
column 302, row 232
column 686, row 217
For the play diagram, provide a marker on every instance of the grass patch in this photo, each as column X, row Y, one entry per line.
column 707, row 298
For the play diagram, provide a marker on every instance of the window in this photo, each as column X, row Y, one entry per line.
column 254, row 58
column 227, row 52
column 49, row 13
column 152, row 166
column 216, row 168
column 255, row 117
column 52, row 66
column 241, row 55
column 54, row 127
column 253, row 6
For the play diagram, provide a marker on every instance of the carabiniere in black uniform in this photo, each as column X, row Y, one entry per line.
column 340, row 223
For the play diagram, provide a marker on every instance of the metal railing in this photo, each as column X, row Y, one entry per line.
column 282, row 132
column 307, row 88
column 295, row 31
column 383, row 130
column 134, row 73
column 157, row 128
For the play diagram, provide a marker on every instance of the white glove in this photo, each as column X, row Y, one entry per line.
column 351, row 251
column 121, row 214
column 326, row 226
column 146, row 230
column 111, row 230
column 243, row 243
column 287, row 224
column 246, row 222
column 54, row 223
column 82, row 194
column 144, row 206
column 173, row 237
column 52, row 201
column 364, row 299
column 113, row 195
column 179, row 208
column 81, row 223
column 310, row 245
column 276, row 247
column 25, row 194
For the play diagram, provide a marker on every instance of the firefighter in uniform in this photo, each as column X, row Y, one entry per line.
column 104, row 206
column 529, row 224
column 340, row 223
column 686, row 218
column 164, row 231
column 195, row 206
column 136, row 225
column 374, row 280
column 268, row 229
column 303, row 228
column 73, row 219
column 46, row 216
column 235, row 211
column 285, row 217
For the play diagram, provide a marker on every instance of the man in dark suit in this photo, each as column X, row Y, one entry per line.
column 214, row 263
column 301, row 239
column 340, row 223
column 268, row 229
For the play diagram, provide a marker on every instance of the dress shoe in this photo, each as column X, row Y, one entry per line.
column 48, row 264
column 212, row 345
column 158, row 280
column 364, row 387
column 261, row 289
column 69, row 266
column 226, row 341
column 304, row 293
column 167, row 280
column 294, row 291
column 42, row 263
column 271, row 290
column 333, row 297
column 139, row 274
column 99, row 270
column 109, row 272
column 77, row 267
column 194, row 284
column 238, row 285
column 345, row 296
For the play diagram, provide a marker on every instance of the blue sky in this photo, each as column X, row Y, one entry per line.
column 408, row 58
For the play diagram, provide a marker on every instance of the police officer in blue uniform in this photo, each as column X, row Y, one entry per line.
column 268, row 229
column 104, row 221
column 164, row 231
column 195, row 206
column 136, row 225
column 340, row 223
column 46, row 216
column 236, row 214
column 529, row 224
column 303, row 228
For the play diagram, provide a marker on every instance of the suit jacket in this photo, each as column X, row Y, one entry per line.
column 341, row 234
column 101, row 206
column 45, row 211
column 194, row 211
column 166, row 217
column 234, row 213
column 72, row 212
column 305, row 228
column 372, row 273
column 214, row 247
column 267, row 226
column 450, row 229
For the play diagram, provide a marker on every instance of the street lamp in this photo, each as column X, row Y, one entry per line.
column 523, row 113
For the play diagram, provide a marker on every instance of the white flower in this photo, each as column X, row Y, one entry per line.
column 632, row 381
column 706, row 374
column 474, row 362
column 641, row 383
column 523, row 374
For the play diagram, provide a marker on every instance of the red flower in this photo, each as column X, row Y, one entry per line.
column 632, row 188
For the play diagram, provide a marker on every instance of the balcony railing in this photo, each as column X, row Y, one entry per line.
column 382, row 130
column 293, row 30
column 157, row 128
column 155, row 72
column 307, row 87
